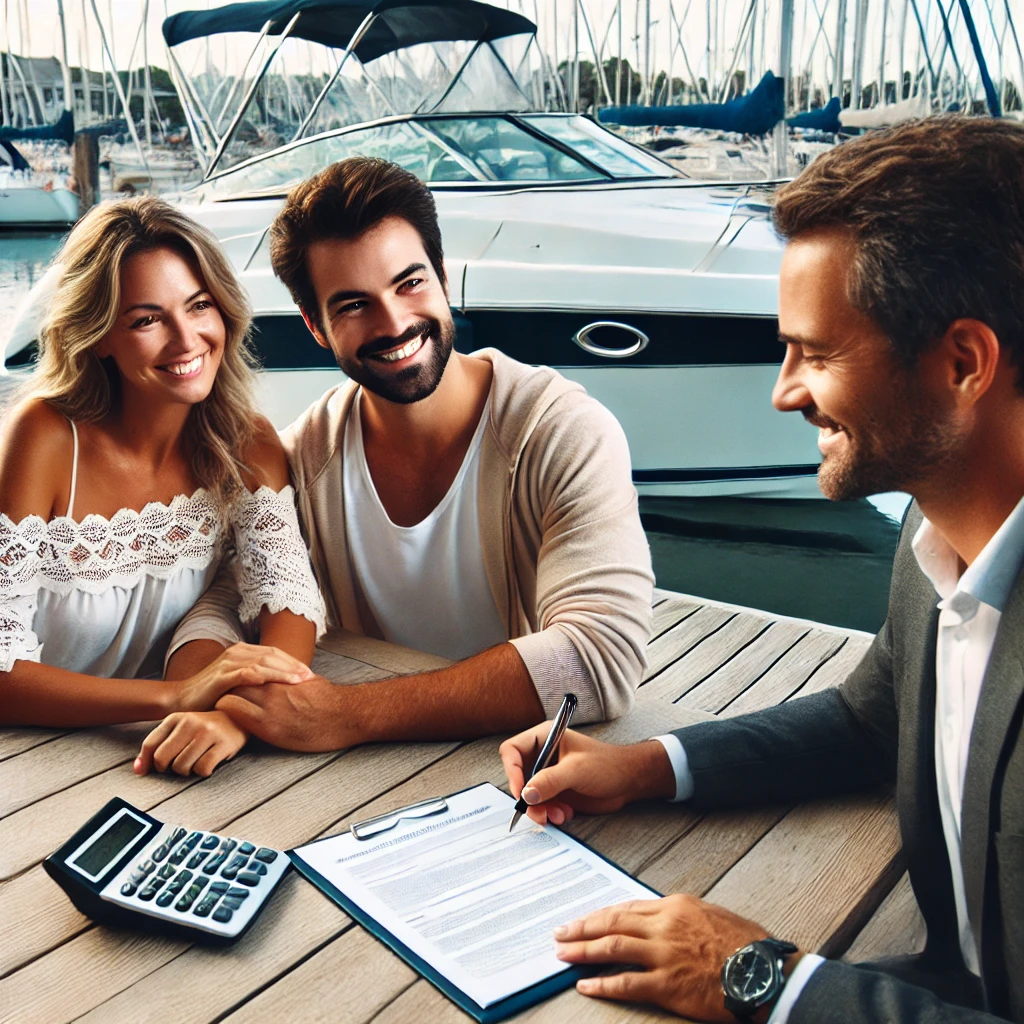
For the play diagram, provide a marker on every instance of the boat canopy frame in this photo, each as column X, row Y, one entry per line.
column 384, row 27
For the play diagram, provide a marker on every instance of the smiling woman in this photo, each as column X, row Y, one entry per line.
column 133, row 460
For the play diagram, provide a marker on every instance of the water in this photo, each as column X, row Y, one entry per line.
column 810, row 559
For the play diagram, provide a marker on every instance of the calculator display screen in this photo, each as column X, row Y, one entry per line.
column 100, row 853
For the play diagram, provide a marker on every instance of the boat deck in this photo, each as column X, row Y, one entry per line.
column 826, row 874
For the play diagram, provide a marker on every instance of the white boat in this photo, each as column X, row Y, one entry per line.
column 565, row 244
column 29, row 199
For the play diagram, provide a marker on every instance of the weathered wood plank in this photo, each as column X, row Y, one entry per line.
column 311, row 993
column 670, row 613
column 837, row 668
column 740, row 672
column 896, row 928
column 788, row 674
column 294, row 816
column 706, row 657
column 29, row 835
column 52, row 767
column 48, row 917
column 202, row 983
column 680, row 639
column 819, row 874
column 389, row 659
column 14, row 741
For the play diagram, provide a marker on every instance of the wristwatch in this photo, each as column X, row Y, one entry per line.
column 753, row 976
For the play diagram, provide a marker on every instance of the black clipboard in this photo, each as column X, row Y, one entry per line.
column 513, row 1004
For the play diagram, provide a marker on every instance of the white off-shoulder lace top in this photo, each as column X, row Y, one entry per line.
column 103, row 596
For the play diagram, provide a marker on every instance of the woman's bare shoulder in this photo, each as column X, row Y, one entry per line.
column 36, row 450
column 265, row 461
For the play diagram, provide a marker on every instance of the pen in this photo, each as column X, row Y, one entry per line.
column 558, row 727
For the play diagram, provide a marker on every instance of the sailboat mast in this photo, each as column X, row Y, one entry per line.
column 65, row 67
column 147, row 98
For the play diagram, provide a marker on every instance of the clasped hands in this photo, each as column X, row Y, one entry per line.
column 247, row 690
column 675, row 946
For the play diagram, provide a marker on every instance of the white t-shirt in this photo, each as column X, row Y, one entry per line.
column 425, row 584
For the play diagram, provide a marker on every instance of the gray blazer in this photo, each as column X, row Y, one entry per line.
column 879, row 727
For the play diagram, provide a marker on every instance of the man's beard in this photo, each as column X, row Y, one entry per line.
column 892, row 450
column 414, row 383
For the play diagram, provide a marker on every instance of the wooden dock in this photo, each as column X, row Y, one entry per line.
column 826, row 874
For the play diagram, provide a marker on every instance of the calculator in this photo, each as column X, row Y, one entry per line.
column 125, row 868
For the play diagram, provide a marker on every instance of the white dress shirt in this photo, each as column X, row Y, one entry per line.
column 970, row 607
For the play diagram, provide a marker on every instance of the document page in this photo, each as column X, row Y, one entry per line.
column 476, row 902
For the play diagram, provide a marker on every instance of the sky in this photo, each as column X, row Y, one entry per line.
column 704, row 44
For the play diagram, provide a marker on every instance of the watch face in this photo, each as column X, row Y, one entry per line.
column 749, row 975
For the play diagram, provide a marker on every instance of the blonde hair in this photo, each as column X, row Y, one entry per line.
column 72, row 378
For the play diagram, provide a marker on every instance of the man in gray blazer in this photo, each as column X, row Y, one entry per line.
column 901, row 305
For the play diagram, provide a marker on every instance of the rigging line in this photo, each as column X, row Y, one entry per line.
column 986, row 79
column 678, row 26
column 924, row 45
column 1016, row 42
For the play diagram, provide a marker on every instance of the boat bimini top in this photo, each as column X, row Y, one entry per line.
column 320, row 65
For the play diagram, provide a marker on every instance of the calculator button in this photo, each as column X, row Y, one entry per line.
column 219, row 887
column 210, row 843
column 238, row 894
column 246, row 849
column 161, row 851
column 198, row 857
column 151, row 888
column 257, row 868
column 223, row 914
column 230, row 903
column 234, row 866
column 191, row 895
column 249, row 878
column 206, row 904
column 136, row 877
column 228, row 845
column 266, row 855
column 128, row 889
column 144, row 867
column 179, row 883
column 215, row 862
column 166, row 898
column 177, row 836
column 167, row 871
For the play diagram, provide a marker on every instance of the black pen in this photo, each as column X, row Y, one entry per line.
column 558, row 727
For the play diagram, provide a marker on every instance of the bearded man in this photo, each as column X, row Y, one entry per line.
column 464, row 505
column 901, row 306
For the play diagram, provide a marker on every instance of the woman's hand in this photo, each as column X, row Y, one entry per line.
column 190, row 742
column 239, row 665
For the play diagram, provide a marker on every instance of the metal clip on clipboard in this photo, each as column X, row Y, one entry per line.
column 382, row 822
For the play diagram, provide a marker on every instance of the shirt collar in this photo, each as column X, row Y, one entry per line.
column 990, row 577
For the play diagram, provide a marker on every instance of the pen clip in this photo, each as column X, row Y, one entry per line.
column 370, row 827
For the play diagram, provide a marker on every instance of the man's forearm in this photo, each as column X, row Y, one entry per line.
column 489, row 693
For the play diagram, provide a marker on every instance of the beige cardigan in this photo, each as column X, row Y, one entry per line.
column 566, row 557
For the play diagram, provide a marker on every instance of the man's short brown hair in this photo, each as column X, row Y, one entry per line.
column 344, row 201
column 937, row 210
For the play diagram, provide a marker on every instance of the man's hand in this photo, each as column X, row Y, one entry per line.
column 307, row 717
column 680, row 942
column 590, row 777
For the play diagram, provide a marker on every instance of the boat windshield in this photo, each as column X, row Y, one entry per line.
column 457, row 150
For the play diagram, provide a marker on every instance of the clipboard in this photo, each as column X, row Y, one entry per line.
column 497, row 1011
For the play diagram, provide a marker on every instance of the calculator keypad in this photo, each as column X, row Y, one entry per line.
column 196, row 874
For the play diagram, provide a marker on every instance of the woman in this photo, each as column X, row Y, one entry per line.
column 135, row 461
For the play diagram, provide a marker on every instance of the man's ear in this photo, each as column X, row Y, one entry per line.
column 314, row 330
column 972, row 357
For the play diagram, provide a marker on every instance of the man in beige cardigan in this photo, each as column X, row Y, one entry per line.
column 467, row 505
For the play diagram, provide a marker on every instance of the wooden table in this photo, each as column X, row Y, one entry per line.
column 815, row 873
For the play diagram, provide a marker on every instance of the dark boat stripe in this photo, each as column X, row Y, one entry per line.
column 545, row 338
column 674, row 476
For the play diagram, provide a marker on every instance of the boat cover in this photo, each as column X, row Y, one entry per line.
column 824, row 119
column 62, row 130
column 401, row 23
column 754, row 114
